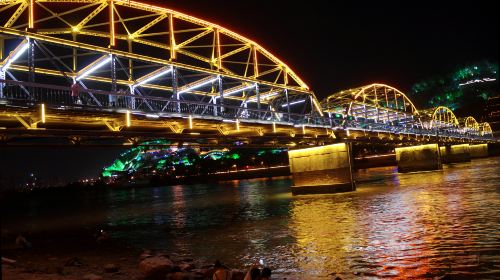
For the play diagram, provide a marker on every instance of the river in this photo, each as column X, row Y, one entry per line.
column 418, row 225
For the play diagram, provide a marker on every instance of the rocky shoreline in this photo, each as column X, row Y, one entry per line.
column 85, row 259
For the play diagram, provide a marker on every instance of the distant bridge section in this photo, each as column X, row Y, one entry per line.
column 380, row 107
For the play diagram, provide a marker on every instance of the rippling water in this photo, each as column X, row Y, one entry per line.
column 417, row 225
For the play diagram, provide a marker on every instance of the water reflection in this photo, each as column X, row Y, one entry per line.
column 326, row 231
column 415, row 225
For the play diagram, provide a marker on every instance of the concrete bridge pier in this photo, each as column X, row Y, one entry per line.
column 478, row 151
column 418, row 158
column 324, row 169
column 455, row 153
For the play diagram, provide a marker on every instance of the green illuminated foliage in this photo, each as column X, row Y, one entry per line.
column 467, row 87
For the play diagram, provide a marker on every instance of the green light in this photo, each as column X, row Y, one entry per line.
column 235, row 156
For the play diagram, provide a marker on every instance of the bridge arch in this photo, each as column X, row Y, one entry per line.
column 470, row 124
column 485, row 129
column 376, row 102
column 441, row 117
column 154, row 51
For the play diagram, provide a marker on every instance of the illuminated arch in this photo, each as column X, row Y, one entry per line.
column 485, row 129
column 441, row 117
column 375, row 101
column 471, row 124
column 148, row 40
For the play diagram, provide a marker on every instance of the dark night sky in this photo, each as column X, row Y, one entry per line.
column 331, row 45
column 334, row 45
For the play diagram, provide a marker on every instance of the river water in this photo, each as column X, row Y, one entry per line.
column 416, row 225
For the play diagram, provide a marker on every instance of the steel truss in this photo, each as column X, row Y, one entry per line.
column 142, row 39
column 382, row 107
column 121, row 55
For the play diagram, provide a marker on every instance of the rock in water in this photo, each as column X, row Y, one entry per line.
column 74, row 261
column 21, row 242
column 110, row 268
column 155, row 267
column 184, row 266
column 144, row 256
column 92, row 276
column 8, row 261
column 185, row 276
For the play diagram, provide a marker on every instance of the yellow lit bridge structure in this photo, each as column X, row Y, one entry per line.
column 87, row 69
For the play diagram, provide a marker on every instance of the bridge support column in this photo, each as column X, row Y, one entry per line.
column 324, row 169
column 454, row 153
column 418, row 158
column 478, row 151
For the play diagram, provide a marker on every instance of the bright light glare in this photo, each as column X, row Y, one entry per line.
column 237, row 90
column 127, row 118
column 477, row 81
column 263, row 97
column 293, row 103
column 198, row 85
column 95, row 67
column 43, row 113
column 16, row 55
column 154, row 77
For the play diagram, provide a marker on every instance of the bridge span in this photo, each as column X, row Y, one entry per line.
column 90, row 71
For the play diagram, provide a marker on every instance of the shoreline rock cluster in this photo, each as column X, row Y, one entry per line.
column 158, row 266
column 161, row 266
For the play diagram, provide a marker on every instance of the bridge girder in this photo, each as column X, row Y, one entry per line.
column 145, row 38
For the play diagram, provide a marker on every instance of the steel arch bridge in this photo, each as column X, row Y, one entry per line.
column 381, row 108
column 110, row 61
column 148, row 51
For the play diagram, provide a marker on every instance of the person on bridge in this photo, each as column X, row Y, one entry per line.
column 75, row 92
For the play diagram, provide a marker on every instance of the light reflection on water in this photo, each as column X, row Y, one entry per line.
column 394, row 226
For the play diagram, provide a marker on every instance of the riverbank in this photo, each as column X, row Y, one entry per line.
column 78, row 255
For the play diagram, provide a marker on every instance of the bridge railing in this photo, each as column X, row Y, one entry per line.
column 26, row 94
column 61, row 97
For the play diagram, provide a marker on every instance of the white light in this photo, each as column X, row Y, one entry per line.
column 198, row 85
column 154, row 77
column 263, row 97
column 237, row 90
column 95, row 67
column 293, row 103
column 16, row 56
column 477, row 81
column 152, row 116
